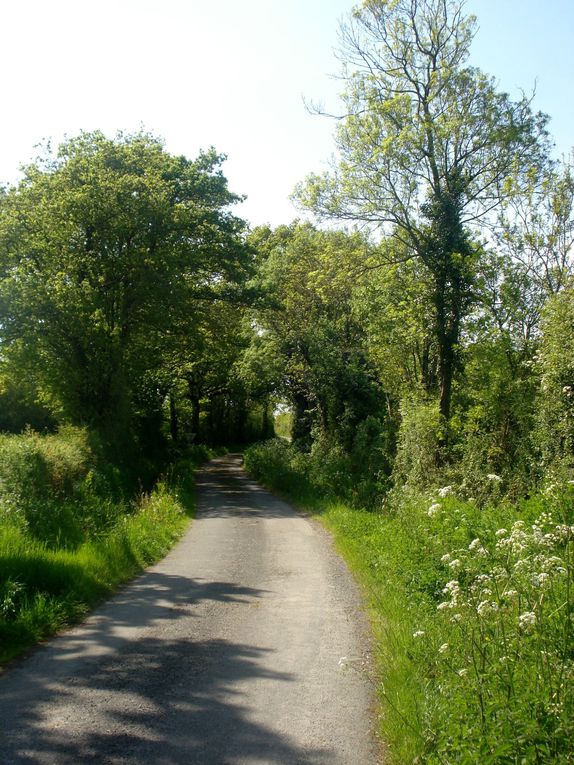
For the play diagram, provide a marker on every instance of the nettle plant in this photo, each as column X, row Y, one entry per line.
column 506, row 658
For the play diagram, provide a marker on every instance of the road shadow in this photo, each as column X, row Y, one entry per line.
column 147, row 701
column 225, row 491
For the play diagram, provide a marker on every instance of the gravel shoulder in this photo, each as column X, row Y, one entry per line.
column 245, row 645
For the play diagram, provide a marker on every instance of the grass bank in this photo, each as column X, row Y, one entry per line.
column 471, row 606
column 69, row 536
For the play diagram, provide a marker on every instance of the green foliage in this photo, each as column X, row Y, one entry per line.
column 53, row 488
column 277, row 464
column 283, row 424
column 309, row 341
column 556, row 363
column 424, row 148
column 420, row 432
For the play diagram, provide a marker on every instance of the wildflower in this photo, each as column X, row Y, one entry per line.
column 494, row 478
column 540, row 580
column 454, row 564
column 443, row 605
column 481, row 578
column 433, row 509
column 527, row 620
column 443, row 648
column 418, row 633
column 554, row 563
column 452, row 588
column 462, row 672
column 510, row 594
column 486, row 607
column 456, row 618
column 563, row 532
column 477, row 547
column 445, row 491
column 446, row 558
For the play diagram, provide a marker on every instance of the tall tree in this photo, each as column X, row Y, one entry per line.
column 425, row 147
column 104, row 248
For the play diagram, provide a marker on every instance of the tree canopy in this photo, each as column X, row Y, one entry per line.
column 110, row 249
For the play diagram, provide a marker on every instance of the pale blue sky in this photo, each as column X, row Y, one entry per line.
column 233, row 73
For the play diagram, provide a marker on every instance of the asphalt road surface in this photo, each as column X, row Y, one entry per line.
column 246, row 645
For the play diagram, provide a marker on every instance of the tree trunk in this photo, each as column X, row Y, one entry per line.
column 195, row 412
column 173, row 424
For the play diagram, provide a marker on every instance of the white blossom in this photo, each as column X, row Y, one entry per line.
column 527, row 619
column 486, row 607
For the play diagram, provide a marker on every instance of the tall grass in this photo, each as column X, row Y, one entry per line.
column 68, row 537
column 472, row 610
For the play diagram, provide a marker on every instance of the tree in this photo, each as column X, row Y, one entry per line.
column 536, row 227
column 556, row 364
column 425, row 147
column 105, row 247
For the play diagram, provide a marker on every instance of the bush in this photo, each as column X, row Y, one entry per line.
column 418, row 444
column 43, row 587
column 53, row 488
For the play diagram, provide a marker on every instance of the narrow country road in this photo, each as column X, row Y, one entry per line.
column 245, row 645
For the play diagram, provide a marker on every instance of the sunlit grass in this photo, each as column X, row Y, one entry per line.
column 43, row 589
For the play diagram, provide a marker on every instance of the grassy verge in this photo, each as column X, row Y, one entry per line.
column 66, row 542
column 472, row 612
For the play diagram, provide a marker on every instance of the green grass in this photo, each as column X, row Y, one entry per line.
column 472, row 614
column 68, row 539
column 42, row 589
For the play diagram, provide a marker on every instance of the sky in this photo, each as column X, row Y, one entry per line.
column 234, row 74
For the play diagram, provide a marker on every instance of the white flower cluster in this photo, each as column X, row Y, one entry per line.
column 433, row 509
column 526, row 563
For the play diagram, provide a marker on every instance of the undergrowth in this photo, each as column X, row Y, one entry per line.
column 471, row 605
column 69, row 536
